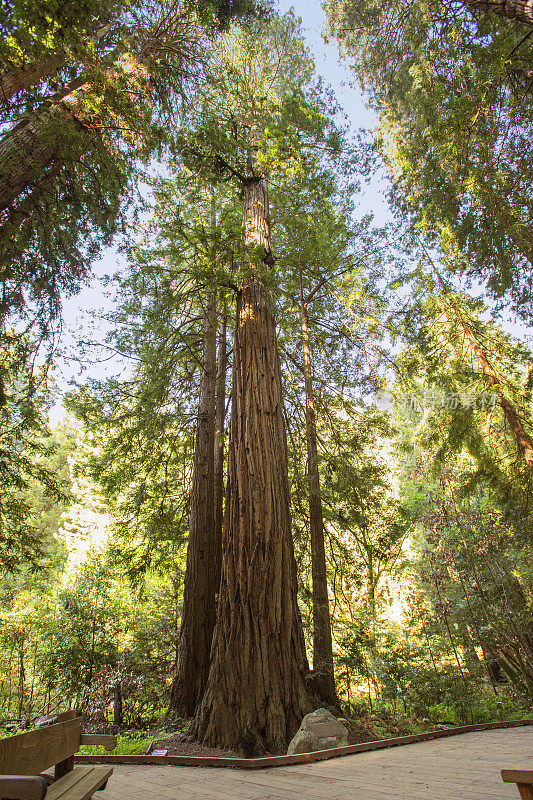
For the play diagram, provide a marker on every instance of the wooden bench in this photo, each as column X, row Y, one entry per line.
column 24, row 756
column 523, row 777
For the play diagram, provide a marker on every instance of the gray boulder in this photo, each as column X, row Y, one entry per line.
column 318, row 731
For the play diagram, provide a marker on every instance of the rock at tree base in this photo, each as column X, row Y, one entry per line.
column 318, row 731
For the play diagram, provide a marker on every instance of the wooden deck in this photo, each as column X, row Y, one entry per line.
column 465, row 767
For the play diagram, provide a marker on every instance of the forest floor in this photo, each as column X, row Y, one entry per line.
column 362, row 729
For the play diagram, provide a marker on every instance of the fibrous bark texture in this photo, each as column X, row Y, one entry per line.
column 16, row 80
column 47, row 136
column 256, row 694
column 518, row 10
column 220, row 420
column 323, row 673
column 36, row 72
column 202, row 576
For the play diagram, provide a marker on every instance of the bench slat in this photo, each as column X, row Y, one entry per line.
column 80, row 784
column 35, row 751
column 517, row 775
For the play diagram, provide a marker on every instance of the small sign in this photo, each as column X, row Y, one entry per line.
column 159, row 752
column 326, row 729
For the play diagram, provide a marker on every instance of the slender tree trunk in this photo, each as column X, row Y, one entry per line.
column 256, row 694
column 323, row 672
column 201, row 578
column 517, row 10
column 118, row 707
column 220, row 420
column 522, row 439
column 22, row 679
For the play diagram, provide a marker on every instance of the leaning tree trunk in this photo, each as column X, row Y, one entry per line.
column 256, row 694
column 523, row 440
column 201, row 576
column 51, row 134
column 323, row 672
column 517, row 10
column 34, row 73
column 16, row 80
column 31, row 148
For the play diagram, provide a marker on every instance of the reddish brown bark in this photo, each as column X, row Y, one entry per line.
column 323, row 672
column 220, row 420
column 201, row 577
column 16, row 80
column 256, row 694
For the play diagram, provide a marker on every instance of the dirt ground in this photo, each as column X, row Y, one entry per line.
column 179, row 745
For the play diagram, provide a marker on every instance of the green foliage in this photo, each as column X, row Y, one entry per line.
column 455, row 122
column 130, row 743
column 30, row 477
column 127, row 745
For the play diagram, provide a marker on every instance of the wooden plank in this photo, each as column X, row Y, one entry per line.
column 108, row 741
column 517, row 774
column 16, row 787
column 80, row 784
column 72, row 777
column 33, row 752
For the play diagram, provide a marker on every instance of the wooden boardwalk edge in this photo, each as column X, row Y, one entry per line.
column 302, row 758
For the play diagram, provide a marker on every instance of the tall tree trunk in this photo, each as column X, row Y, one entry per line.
column 323, row 673
column 118, row 706
column 256, row 694
column 522, row 439
column 201, row 577
column 50, row 135
column 517, row 10
column 220, row 420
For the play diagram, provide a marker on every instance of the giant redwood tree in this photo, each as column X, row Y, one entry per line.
column 202, row 575
column 256, row 693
